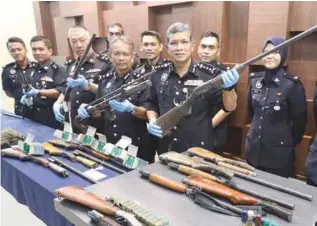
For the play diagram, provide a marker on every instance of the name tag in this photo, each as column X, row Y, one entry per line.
column 193, row 82
column 256, row 91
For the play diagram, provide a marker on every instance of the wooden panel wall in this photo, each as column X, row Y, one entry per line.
column 242, row 27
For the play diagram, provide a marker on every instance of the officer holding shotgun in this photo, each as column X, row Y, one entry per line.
column 130, row 115
column 173, row 83
column 91, row 70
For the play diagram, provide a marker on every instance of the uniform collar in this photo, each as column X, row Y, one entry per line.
column 90, row 59
column 277, row 78
column 46, row 65
column 125, row 77
column 149, row 66
column 29, row 64
column 191, row 69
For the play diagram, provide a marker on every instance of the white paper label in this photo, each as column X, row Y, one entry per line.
column 133, row 150
column 91, row 131
column 95, row 174
column 124, row 142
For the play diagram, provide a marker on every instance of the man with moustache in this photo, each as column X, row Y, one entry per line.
column 173, row 83
column 92, row 68
column 130, row 117
column 48, row 82
column 151, row 46
column 13, row 72
column 208, row 52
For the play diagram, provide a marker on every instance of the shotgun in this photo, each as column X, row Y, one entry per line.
column 229, row 183
column 19, row 154
column 90, row 200
column 236, row 197
column 218, row 159
column 201, row 198
column 174, row 116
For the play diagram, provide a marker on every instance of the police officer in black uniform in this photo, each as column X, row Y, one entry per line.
column 174, row 82
column 130, row 115
column 151, row 46
column 48, row 82
column 208, row 52
column 311, row 161
column 90, row 72
column 277, row 106
column 16, row 73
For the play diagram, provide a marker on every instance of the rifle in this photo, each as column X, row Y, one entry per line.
column 90, row 200
column 101, row 104
column 19, row 154
column 72, row 169
column 103, row 163
column 53, row 151
column 229, row 183
column 173, row 116
column 218, row 159
column 201, row 198
column 228, row 174
column 75, row 75
column 236, row 197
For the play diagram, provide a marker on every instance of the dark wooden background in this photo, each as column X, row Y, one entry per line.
column 242, row 26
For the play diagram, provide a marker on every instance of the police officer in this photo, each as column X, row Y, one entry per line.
column 151, row 46
column 48, row 82
column 130, row 114
column 277, row 106
column 311, row 160
column 89, row 73
column 16, row 73
column 208, row 52
column 174, row 82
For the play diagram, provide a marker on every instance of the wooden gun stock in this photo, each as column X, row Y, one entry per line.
column 86, row 198
column 86, row 162
column 54, row 151
column 221, row 161
column 14, row 154
column 234, row 196
column 164, row 182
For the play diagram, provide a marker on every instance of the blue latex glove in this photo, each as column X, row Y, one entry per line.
column 154, row 129
column 230, row 78
column 32, row 93
column 57, row 112
column 82, row 112
column 124, row 106
column 22, row 100
column 81, row 81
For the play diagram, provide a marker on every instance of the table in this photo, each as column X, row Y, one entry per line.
column 178, row 208
column 32, row 184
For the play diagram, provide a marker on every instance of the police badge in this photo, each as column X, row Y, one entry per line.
column 108, row 85
column 258, row 85
column 164, row 77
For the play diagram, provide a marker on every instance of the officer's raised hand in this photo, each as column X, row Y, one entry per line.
column 81, row 81
column 31, row 93
column 154, row 129
column 229, row 78
column 124, row 106
column 57, row 112
column 82, row 112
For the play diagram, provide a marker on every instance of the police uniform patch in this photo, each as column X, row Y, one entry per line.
column 258, row 85
column 12, row 71
column 164, row 77
column 277, row 108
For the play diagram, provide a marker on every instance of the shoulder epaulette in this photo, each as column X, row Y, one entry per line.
column 210, row 69
column 68, row 62
column 291, row 77
column 8, row 65
column 162, row 66
column 256, row 74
